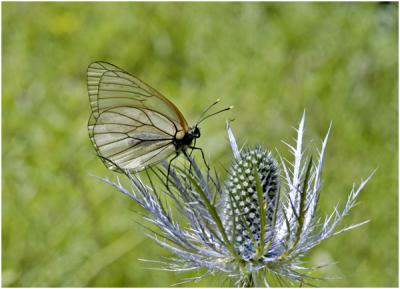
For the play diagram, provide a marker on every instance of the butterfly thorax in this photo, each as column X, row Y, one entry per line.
column 185, row 139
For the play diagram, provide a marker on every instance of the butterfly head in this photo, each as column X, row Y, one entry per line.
column 195, row 132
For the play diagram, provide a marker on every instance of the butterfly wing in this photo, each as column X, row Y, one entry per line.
column 132, row 125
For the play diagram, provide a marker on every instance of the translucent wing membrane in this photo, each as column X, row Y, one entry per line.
column 131, row 125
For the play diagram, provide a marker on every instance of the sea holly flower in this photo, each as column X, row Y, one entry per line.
column 255, row 227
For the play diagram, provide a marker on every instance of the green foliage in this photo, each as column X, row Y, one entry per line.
column 62, row 227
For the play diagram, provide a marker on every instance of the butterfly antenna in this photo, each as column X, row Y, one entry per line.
column 219, row 111
column 207, row 109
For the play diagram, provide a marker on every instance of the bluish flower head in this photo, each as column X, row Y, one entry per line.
column 244, row 207
column 255, row 227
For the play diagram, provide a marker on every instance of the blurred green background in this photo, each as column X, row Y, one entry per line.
column 63, row 227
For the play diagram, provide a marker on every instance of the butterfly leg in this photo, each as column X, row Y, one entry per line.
column 169, row 168
column 190, row 155
column 202, row 154
column 194, row 145
column 189, row 158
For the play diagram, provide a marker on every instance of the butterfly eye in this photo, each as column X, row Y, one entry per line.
column 196, row 132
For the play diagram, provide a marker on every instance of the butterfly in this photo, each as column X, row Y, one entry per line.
column 132, row 125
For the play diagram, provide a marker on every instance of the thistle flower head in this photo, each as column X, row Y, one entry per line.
column 246, row 212
column 254, row 228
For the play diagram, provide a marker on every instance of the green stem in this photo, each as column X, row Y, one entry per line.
column 247, row 280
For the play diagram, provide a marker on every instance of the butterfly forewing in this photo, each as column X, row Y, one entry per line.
column 109, row 86
column 131, row 125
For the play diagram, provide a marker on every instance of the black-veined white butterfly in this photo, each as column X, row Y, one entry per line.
column 132, row 125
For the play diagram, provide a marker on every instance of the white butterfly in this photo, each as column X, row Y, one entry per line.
column 132, row 125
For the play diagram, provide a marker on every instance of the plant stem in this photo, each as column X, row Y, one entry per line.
column 247, row 281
